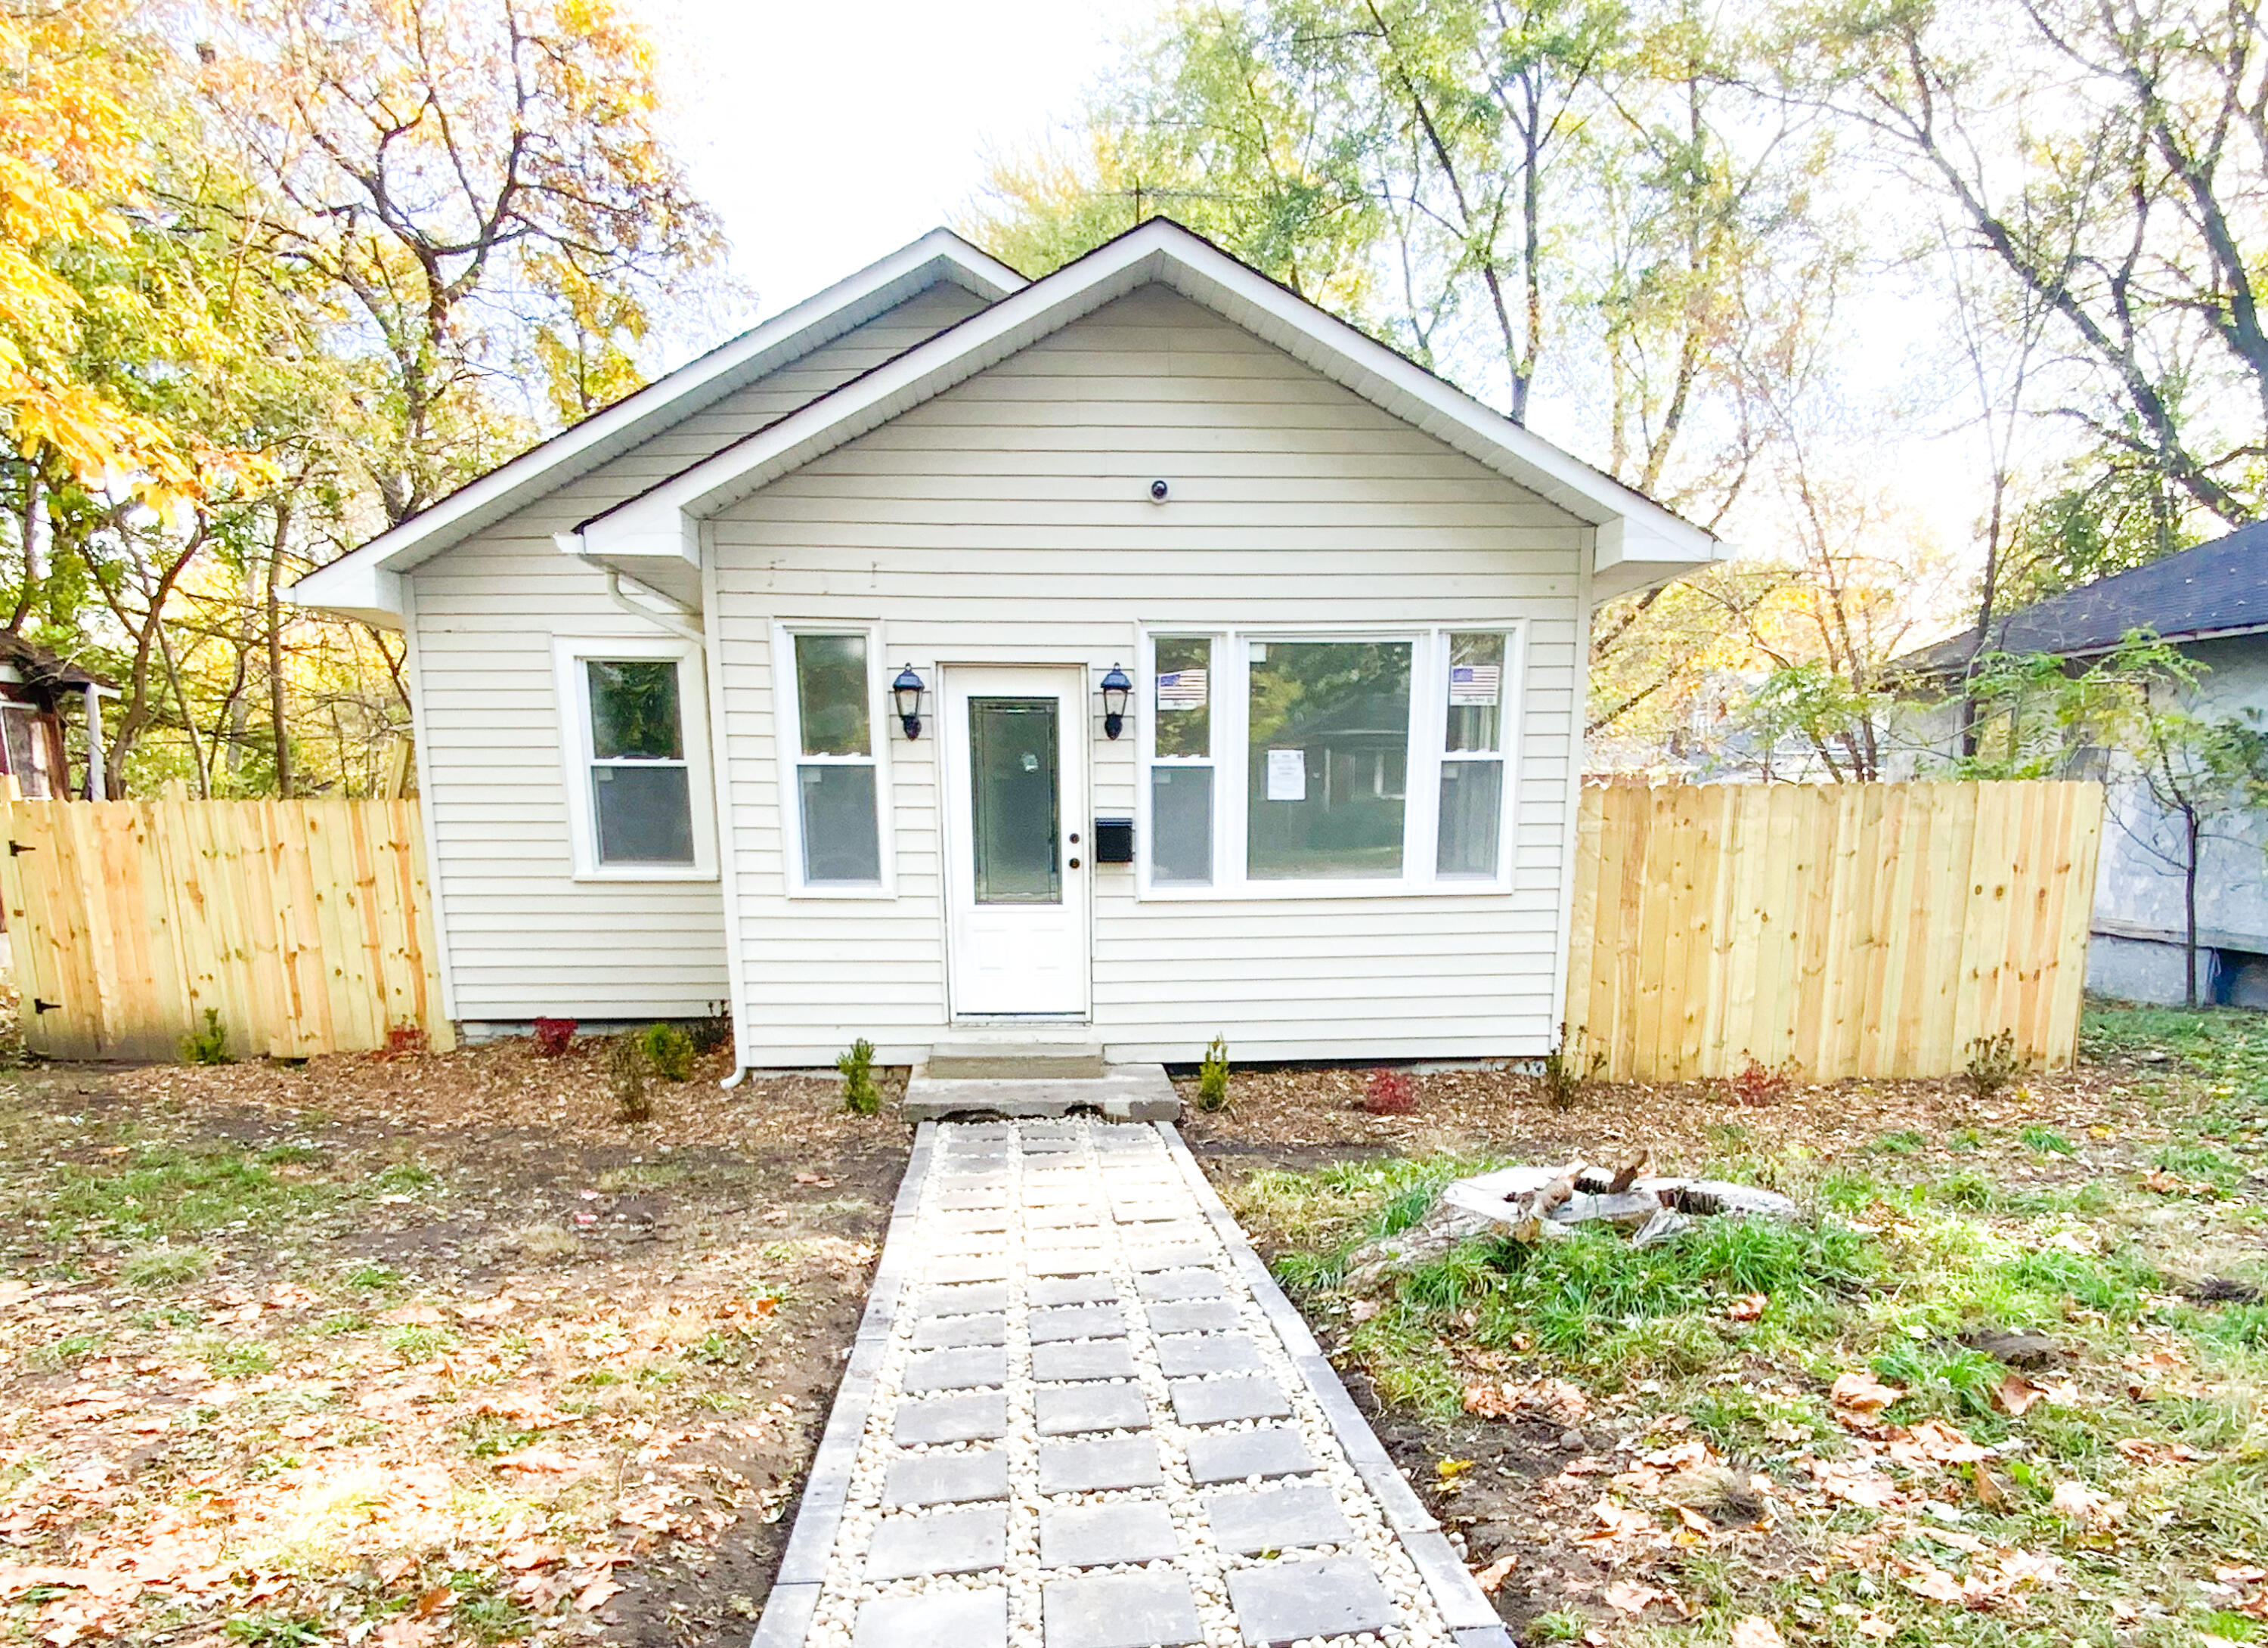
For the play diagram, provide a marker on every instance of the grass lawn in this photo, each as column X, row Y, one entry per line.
column 1807, row 1424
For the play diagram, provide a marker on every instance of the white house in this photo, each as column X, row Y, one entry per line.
column 673, row 751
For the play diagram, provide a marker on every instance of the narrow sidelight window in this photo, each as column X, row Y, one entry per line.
column 1472, row 759
column 641, row 795
column 835, row 789
column 1181, row 768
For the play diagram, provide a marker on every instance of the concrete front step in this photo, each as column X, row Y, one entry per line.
column 1118, row 1092
column 1017, row 1053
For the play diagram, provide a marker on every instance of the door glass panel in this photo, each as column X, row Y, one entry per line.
column 1012, row 759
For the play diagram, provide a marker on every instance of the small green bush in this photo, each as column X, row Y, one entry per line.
column 1212, row 1077
column 861, row 1096
column 209, row 1045
column 669, row 1052
column 626, row 1074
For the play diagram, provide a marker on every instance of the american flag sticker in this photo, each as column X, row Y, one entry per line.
column 1475, row 683
column 1181, row 689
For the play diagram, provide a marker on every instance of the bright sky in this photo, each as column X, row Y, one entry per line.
column 829, row 132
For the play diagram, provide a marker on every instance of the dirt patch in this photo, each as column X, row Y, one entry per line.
column 1290, row 1116
column 428, row 1347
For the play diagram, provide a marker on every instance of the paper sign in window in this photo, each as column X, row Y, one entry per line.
column 1287, row 774
column 1181, row 689
column 1479, row 684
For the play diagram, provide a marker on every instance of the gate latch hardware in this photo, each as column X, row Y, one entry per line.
column 39, row 1006
column 15, row 846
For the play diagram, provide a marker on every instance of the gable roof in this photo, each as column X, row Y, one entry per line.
column 2217, row 589
column 651, row 535
column 364, row 583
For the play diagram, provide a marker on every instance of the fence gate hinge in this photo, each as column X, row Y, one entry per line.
column 15, row 846
column 39, row 1006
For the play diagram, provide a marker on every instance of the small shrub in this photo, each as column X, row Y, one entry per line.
column 209, row 1045
column 626, row 1074
column 554, row 1036
column 1212, row 1077
column 713, row 1034
column 1389, row 1092
column 1759, row 1084
column 1993, row 1063
column 861, row 1096
column 1570, row 1067
column 669, row 1051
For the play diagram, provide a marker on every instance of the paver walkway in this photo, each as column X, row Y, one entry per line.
column 1080, row 1415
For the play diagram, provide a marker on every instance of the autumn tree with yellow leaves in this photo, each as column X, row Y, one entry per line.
column 273, row 276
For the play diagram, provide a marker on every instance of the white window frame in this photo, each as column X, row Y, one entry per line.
column 787, row 743
column 1229, row 689
column 569, row 654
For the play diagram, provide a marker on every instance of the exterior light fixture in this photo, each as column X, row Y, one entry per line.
column 1116, row 689
column 907, row 690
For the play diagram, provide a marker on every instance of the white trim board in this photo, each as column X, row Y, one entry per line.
column 1638, row 541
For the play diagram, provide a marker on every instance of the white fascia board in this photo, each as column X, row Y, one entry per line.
column 939, row 255
column 1633, row 554
column 1164, row 251
column 353, row 586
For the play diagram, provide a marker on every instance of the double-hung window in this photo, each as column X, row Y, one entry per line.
column 827, row 697
column 1181, row 767
column 636, row 746
column 1283, row 762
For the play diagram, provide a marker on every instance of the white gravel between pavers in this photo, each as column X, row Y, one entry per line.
column 1144, row 1170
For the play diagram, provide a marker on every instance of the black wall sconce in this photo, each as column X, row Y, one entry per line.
column 1116, row 689
column 907, row 690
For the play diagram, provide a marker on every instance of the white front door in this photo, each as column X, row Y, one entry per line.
column 1014, row 746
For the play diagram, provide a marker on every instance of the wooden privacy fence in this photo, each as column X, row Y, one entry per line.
column 1839, row 930
column 305, row 924
column 1874, row 930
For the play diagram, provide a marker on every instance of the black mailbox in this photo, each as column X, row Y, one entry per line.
column 1113, row 841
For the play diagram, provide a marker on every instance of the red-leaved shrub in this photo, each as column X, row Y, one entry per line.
column 552, row 1036
column 1389, row 1093
column 1760, row 1083
column 403, row 1042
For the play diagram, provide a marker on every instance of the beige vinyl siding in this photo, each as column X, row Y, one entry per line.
column 525, row 938
column 1010, row 520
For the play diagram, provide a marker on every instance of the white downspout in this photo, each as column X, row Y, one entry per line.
column 674, row 621
column 670, row 621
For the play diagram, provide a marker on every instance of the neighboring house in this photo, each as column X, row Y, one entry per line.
column 38, row 691
column 2211, row 602
column 1135, row 655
